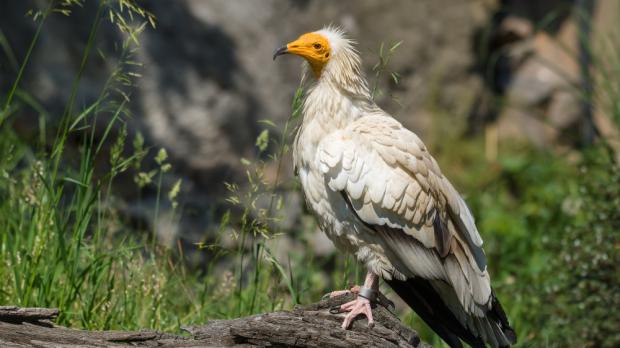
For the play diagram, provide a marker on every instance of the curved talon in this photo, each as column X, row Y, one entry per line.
column 386, row 302
column 334, row 310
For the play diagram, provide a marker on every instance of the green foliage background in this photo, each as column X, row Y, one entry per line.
column 550, row 223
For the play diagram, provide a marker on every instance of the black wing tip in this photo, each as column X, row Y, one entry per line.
column 425, row 301
column 511, row 335
column 422, row 298
column 498, row 314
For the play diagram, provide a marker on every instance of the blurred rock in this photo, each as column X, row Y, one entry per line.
column 538, row 76
column 564, row 109
column 513, row 29
column 534, row 72
column 543, row 87
column 516, row 123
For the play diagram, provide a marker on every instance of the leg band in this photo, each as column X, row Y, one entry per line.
column 368, row 293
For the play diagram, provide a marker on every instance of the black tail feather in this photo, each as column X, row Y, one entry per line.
column 426, row 302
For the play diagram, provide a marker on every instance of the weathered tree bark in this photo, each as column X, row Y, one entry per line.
column 305, row 326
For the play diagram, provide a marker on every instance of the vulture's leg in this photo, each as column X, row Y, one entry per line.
column 361, row 305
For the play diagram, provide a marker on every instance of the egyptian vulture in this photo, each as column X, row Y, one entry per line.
column 378, row 193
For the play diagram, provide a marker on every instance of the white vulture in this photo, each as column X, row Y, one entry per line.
column 378, row 193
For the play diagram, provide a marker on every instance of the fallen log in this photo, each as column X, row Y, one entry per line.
column 305, row 326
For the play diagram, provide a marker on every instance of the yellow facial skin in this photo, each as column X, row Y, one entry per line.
column 314, row 48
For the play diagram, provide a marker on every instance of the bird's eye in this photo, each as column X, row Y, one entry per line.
column 317, row 46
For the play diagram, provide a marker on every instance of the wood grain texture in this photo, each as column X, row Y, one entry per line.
column 305, row 326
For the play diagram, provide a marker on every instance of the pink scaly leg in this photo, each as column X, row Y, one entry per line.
column 361, row 305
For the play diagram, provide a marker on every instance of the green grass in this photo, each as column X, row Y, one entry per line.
column 65, row 244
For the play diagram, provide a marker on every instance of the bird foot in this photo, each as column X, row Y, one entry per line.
column 360, row 305
column 366, row 296
column 381, row 298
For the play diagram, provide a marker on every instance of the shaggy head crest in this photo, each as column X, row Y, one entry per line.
column 337, row 39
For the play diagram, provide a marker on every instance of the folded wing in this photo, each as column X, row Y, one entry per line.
column 395, row 186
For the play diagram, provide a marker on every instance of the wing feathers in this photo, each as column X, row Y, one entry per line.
column 391, row 180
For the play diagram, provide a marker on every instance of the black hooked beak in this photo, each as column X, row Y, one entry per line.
column 280, row 51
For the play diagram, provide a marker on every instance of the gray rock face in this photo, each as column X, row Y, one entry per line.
column 208, row 75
